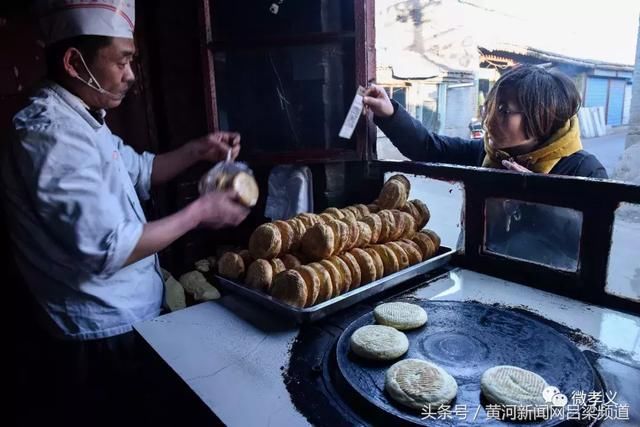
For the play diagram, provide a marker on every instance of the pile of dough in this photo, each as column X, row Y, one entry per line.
column 203, row 265
column 196, row 284
column 174, row 297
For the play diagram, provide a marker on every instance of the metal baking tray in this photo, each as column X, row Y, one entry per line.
column 319, row 311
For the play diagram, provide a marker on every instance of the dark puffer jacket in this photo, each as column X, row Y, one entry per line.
column 417, row 143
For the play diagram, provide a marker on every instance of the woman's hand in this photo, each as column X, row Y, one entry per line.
column 377, row 100
column 513, row 166
column 214, row 146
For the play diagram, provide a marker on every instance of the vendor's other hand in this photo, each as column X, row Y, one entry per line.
column 214, row 146
column 220, row 209
column 513, row 166
column 377, row 100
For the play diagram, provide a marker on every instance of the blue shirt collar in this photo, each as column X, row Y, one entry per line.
column 78, row 105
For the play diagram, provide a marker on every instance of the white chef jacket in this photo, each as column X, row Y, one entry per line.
column 72, row 192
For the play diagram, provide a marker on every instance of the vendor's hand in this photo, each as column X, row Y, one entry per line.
column 220, row 209
column 377, row 100
column 214, row 146
column 513, row 166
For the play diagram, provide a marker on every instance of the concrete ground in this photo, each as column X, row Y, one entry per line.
column 608, row 149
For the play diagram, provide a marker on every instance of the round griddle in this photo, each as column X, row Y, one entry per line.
column 466, row 339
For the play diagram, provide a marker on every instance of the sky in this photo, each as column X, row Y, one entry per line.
column 590, row 29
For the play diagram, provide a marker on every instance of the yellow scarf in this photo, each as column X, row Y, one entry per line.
column 564, row 142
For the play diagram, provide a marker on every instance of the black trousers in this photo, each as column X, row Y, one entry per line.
column 96, row 382
column 116, row 381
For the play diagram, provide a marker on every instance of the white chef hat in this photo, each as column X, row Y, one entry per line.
column 63, row 19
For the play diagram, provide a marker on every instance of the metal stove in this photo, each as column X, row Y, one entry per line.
column 252, row 367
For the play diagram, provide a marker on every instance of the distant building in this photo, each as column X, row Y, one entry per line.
column 601, row 84
column 428, row 64
column 440, row 58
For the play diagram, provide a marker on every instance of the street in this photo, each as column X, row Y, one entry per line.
column 608, row 148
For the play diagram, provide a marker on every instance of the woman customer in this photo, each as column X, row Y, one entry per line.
column 531, row 126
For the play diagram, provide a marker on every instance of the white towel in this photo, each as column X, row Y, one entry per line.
column 290, row 192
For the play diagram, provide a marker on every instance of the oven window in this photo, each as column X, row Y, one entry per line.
column 538, row 233
column 445, row 201
column 283, row 74
column 623, row 276
column 264, row 94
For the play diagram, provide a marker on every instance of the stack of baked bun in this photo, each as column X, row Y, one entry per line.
column 312, row 258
